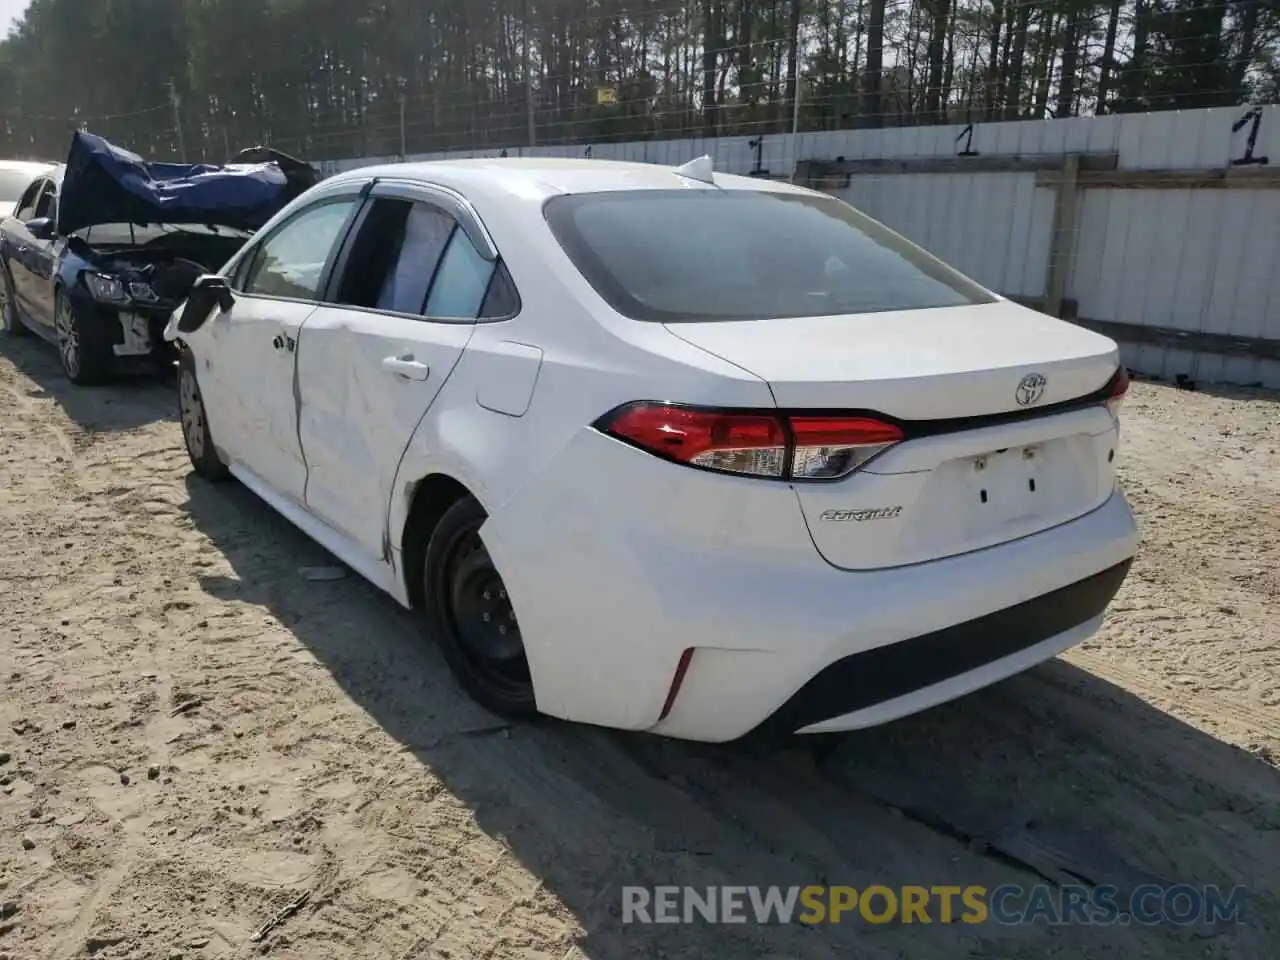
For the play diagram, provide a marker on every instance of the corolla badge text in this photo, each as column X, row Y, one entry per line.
column 858, row 516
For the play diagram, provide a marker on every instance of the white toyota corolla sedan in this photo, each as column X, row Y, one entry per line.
column 663, row 449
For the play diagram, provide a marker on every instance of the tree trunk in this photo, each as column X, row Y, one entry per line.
column 1045, row 58
column 949, row 75
column 710, row 119
column 991, row 79
column 1244, row 55
column 1070, row 58
column 1133, row 77
column 793, row 64
column 1107, row 66
column 748, row 75
column 873, row 78
column 937, row 10
column 1017, row 60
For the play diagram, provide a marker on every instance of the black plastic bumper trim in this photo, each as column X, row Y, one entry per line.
column 863, row 680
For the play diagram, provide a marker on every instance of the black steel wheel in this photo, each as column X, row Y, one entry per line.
column 470, row 612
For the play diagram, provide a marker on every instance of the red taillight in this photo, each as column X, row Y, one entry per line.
column 1119, row 387
column 755, row 444
column 829, row 447
column 738, row 443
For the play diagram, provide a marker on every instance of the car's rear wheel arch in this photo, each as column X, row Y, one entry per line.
column 433, row 495
column 461, row 598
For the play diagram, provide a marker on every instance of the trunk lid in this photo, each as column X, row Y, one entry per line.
column 916, row 364
column 953, row 485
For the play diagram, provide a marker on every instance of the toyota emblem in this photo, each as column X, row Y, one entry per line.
column 1030, row 389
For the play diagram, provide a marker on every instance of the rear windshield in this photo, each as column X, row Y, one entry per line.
column 701, row 254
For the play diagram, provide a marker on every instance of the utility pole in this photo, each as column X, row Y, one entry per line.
column 177, row 117
column 795, row 126
column 402, row 86
column 528, row 82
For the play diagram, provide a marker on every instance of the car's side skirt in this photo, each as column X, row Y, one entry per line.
column 380, row 573
column 39, row 329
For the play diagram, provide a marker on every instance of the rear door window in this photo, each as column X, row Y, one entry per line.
column 394, row 256
column 501, row 300
column 461, row 283
column 411, row 257
column 707, row 254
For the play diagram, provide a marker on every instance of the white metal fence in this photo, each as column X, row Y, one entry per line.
column 1160, row 229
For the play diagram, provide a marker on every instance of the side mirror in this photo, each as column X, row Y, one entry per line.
column 41, row 228
column 210, row 291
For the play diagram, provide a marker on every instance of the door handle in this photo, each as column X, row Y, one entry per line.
column 406, row 367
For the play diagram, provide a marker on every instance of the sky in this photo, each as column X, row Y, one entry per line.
column 9, row 9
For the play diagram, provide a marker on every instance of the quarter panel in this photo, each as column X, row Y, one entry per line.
column 514, row 376
column 584, row 373
column 609, row 555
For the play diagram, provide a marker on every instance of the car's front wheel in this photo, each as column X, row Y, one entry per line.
column 468, row 610
column 195, row 425
column 86, row 359
column 9, row 319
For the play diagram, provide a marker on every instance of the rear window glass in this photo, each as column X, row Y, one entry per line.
column 701, row 254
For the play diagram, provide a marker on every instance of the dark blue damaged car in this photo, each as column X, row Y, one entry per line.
column 101, row 250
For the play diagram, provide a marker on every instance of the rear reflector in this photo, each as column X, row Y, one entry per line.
column 677, row 680
column 752, row 444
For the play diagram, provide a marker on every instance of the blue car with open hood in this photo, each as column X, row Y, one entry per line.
column 101, row 250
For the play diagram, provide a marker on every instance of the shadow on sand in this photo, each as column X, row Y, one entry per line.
column 1055, row 776
column 135, row 399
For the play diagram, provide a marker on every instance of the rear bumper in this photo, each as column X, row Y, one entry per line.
column 618, row 563
column 877, row 685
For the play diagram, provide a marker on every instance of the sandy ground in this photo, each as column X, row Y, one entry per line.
column 197, row 738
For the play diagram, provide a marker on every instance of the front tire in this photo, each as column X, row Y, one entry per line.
column 86, row 360
column 195, row 424
column 467, row 609
column 10, row 322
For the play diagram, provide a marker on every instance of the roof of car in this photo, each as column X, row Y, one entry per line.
column 32, row 167
column 536, row 178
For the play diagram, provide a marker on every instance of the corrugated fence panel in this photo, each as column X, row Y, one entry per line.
column 1200, row 260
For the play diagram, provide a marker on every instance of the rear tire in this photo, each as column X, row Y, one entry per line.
column 86, row 359
column 467, row 609
column 195, row 425
column 10, row 322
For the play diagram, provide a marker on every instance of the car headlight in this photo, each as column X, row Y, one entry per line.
column 143, row 293
column 106, row 289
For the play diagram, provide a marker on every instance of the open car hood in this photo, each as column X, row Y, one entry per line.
column 104, row 184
